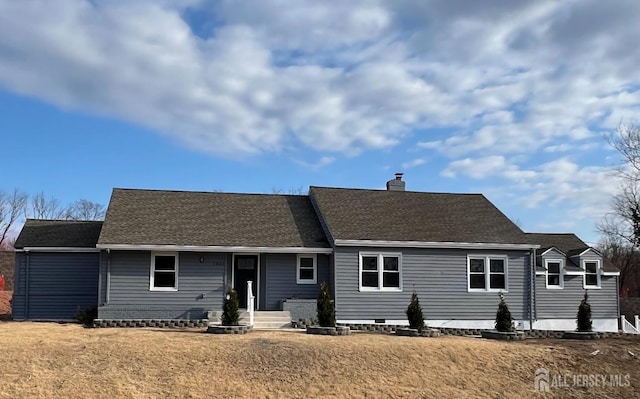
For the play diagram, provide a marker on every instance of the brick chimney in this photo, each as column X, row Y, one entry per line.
column 396, row 184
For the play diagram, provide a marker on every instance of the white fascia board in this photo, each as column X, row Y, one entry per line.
column 58, row 249
column 574, row 273
column 587, row 250
column 213, row 248
column 610, row 273
column 541, row 273
column 426, row 244
column 553, row 248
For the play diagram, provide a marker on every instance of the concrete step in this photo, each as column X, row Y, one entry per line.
column 268, row 319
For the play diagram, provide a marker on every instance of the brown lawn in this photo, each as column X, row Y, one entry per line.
column 43, row 360
column 5, row 304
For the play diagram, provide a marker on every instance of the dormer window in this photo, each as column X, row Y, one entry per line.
column 554, row 273
column 591, row 273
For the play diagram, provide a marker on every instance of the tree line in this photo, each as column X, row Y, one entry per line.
column 620, row 227
column 17, row 205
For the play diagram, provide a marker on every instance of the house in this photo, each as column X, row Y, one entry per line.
column 173, row 255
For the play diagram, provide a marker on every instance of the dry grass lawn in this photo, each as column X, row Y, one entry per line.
column 5, row 304
column 45, row 360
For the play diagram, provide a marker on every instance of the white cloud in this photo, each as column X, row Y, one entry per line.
column 321, row 163
column 267, row 76
column 414, row 163
column 487, row 167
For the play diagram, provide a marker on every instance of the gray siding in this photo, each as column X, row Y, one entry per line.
column 18, row 301
column 52, row 286
column 102, row 283
column 200, row 287
column 281, row 283
column 563, row 303
column 439, row 276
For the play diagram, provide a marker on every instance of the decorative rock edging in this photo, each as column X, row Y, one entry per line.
column 172, row 323
column 581, row 335
column 505, row 336
column 464, row 332
column 337, row 330
column 303, row 323
column 413, row 332
column 229, row 329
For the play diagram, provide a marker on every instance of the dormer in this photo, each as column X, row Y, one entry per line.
column 590, row 262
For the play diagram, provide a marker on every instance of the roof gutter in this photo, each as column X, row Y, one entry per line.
column 214, row 248
column 434, row 244
column 59, row 249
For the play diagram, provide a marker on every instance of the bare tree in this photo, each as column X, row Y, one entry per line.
column 627, row 258
column 42, row 207
column 12, row 207
column 620, row 228
column 290, row 191
column 85, row 210
column 623, row 221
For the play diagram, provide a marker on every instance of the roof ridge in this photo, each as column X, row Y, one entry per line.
column 392, row 191
column 206, row 192
column 62, row 220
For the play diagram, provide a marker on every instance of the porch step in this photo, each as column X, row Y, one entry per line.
column 265, row 320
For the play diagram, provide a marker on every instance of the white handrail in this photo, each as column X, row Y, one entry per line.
column 250, row 301
column 628, row 327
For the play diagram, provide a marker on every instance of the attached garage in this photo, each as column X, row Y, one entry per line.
column 57, row 269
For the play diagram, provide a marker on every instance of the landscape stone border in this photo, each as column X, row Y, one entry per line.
column 581, row 335
column 504, row 335
column 243, row 329
column 413, row 332
column 463, row 332
column 337, row 330
column 161, row 323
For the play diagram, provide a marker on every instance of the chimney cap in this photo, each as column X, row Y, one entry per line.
column 399, row 175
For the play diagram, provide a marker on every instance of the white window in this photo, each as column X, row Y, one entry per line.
column 380, row 271
column 554, row 273
column 164, row 272
column 487, row 273
column 307, row 270
column 591, row 273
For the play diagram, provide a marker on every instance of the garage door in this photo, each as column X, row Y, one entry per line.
column 60, row 283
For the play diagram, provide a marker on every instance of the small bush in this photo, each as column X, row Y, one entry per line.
column 584, row 315
column 325, row 308
column 414, row 313
column 86, row 316
column 504, row 321
column 230, row 315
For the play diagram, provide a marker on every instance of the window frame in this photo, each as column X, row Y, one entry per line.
column 299, row 280
column 597, row 273
column 487, row 272
column 153, row 271
column 380, row 259
column 560, row 274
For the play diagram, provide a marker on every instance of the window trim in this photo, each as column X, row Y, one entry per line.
column 153, row 271
column 598, row 273
column 487, row 273
column 380, row 271
column 561, row 274
column 315, row 269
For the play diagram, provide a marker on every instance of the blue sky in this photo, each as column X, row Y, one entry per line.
column 510, row 100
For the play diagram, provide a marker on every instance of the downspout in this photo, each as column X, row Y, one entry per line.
column 107, row 294
column 26, row 286
column 618, row 301
column 532, row 288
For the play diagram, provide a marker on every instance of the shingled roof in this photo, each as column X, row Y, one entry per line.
column 356, row 214
column 58, row 233
column 570, row 244
column 155, row 217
